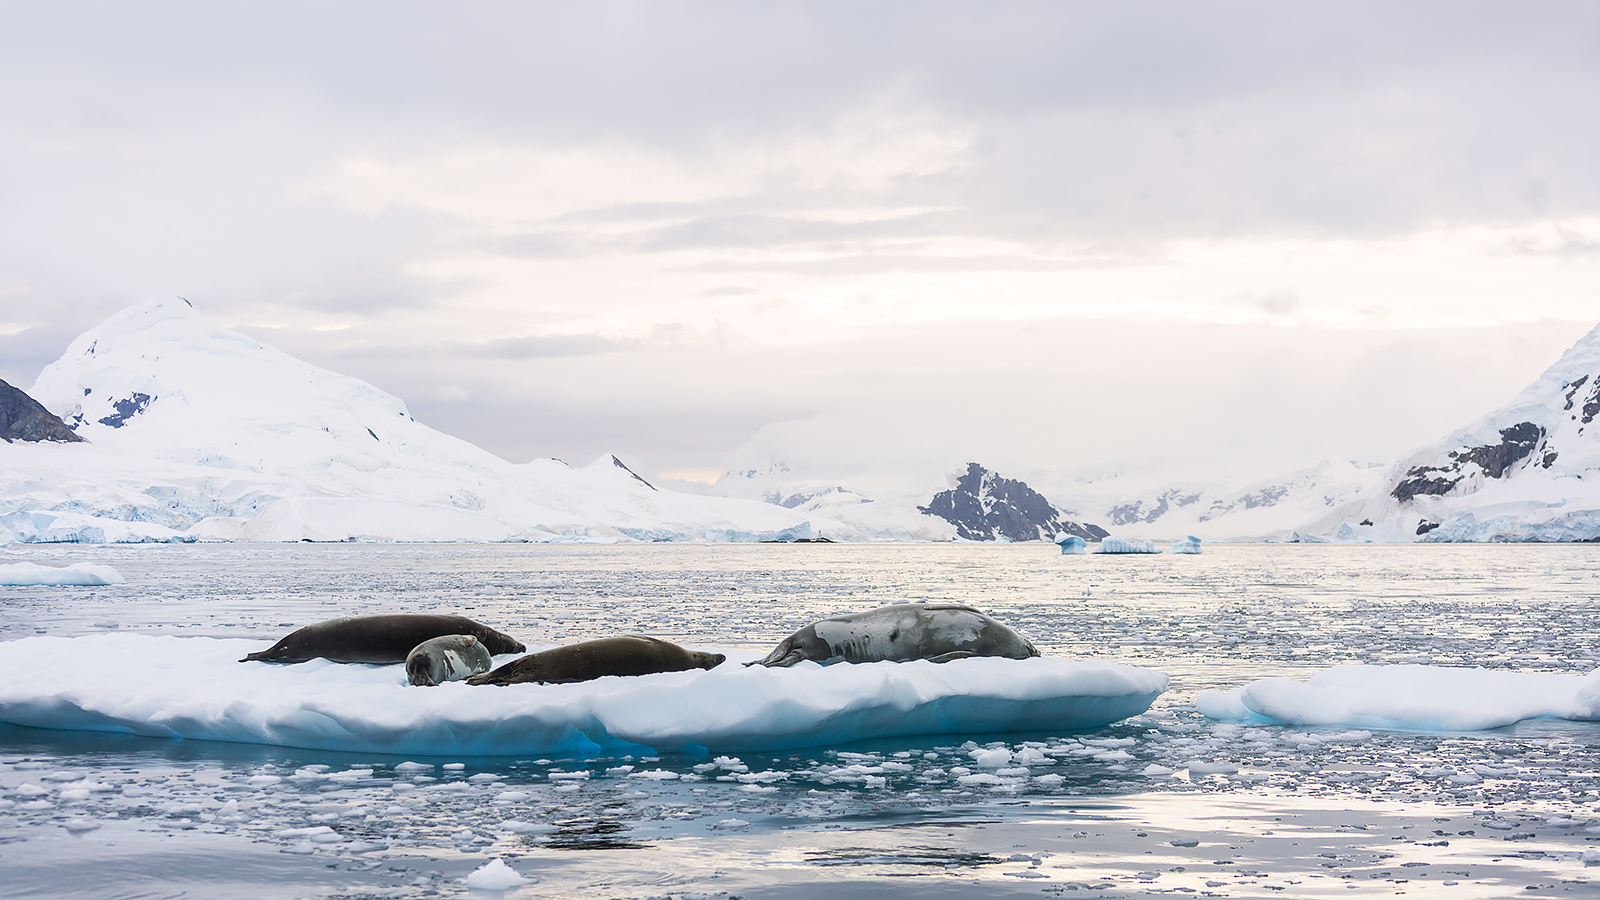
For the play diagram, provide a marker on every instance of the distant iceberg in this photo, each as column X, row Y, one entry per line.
column 1422, row 698
column 1190, row 544
column 1071, row 544
column 1113, row 544
column 77, row 575
column 199, row 691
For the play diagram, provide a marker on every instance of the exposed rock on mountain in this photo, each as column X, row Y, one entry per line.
column 985, row 507
column 22, row 418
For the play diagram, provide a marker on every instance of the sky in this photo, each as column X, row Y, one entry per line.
column 869, row 241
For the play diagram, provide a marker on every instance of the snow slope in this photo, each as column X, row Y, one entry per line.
column 845, row 514
column 195, row 688
column 1529, row 471
column 195, row 431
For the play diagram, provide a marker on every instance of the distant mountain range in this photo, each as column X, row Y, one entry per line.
column 161, row 425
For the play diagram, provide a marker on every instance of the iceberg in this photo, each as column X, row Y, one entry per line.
column 1071, row 544
column 1113, row 544
column 193, row 688
column 77, row 574
column 1190, row 544
column 1411, row 697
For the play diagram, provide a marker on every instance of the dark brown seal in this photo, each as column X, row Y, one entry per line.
column 378, row 639
column 627, row 655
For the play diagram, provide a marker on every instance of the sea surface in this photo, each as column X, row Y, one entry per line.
column 1245, row 811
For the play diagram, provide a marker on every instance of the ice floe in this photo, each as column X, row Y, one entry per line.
column 1427, row 698
column 194, row 688
column 77, row 574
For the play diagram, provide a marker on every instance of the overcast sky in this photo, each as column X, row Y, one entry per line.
column 869, row 240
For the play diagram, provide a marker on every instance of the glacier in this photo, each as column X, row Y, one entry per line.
column 194, row 688
column 196, row 432
column 1413, row 697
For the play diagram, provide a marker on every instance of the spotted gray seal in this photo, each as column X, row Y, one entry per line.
column 449, row 658
column 627, row 655
column 938, row 632
column 381, row 639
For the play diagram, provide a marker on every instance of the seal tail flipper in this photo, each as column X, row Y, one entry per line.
column 782, row 662
column 260, row 656
column 953, row 654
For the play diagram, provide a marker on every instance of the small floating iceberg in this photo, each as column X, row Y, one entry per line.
column 1071, row 544
column 194, row 688
column 1417, row 698
column 75, row 575
column 1113, row 544
column 1190, row 544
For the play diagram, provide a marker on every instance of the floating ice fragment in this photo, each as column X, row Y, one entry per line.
column 1153, row 770
column 496, row 876
column 75, row 575
column 991, row 759
column 517, row 826
column 1190, row 544
column 731, row 825
column 1071, row 544
column 1114, row 544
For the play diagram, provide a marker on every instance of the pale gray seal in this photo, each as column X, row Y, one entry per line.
column 938, row 632
column 627, row 655
column 449, row 658
column 378, row 639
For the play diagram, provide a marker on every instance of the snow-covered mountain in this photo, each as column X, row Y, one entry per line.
column 1142, row 504
column 883, row 518
column 984, row 507
column 1529, row 471
column 195, row 431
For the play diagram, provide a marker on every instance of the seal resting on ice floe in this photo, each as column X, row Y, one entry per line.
column 449, row 658
column 938, row 632
column 627, row 655
column 378, row 639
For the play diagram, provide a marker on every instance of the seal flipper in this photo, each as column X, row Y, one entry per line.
column 953, row 654
column 782, row 662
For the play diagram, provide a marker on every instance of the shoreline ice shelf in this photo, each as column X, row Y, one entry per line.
column 194, row 688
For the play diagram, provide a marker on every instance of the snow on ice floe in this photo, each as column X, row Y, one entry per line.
column 77, row 574
column 194, row 688
column 1423, row 698
column 1113, row 544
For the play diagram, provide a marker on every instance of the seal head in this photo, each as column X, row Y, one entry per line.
column 449, row 658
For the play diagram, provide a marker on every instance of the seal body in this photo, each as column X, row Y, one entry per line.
column 905, row 631
column 449, row 658
column 627, row 655
column 383, row 639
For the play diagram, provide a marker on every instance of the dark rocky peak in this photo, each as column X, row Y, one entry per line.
column 984, row 506
column 23, row 419
column 618, row 463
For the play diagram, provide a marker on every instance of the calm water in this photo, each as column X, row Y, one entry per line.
column 1284, row 812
